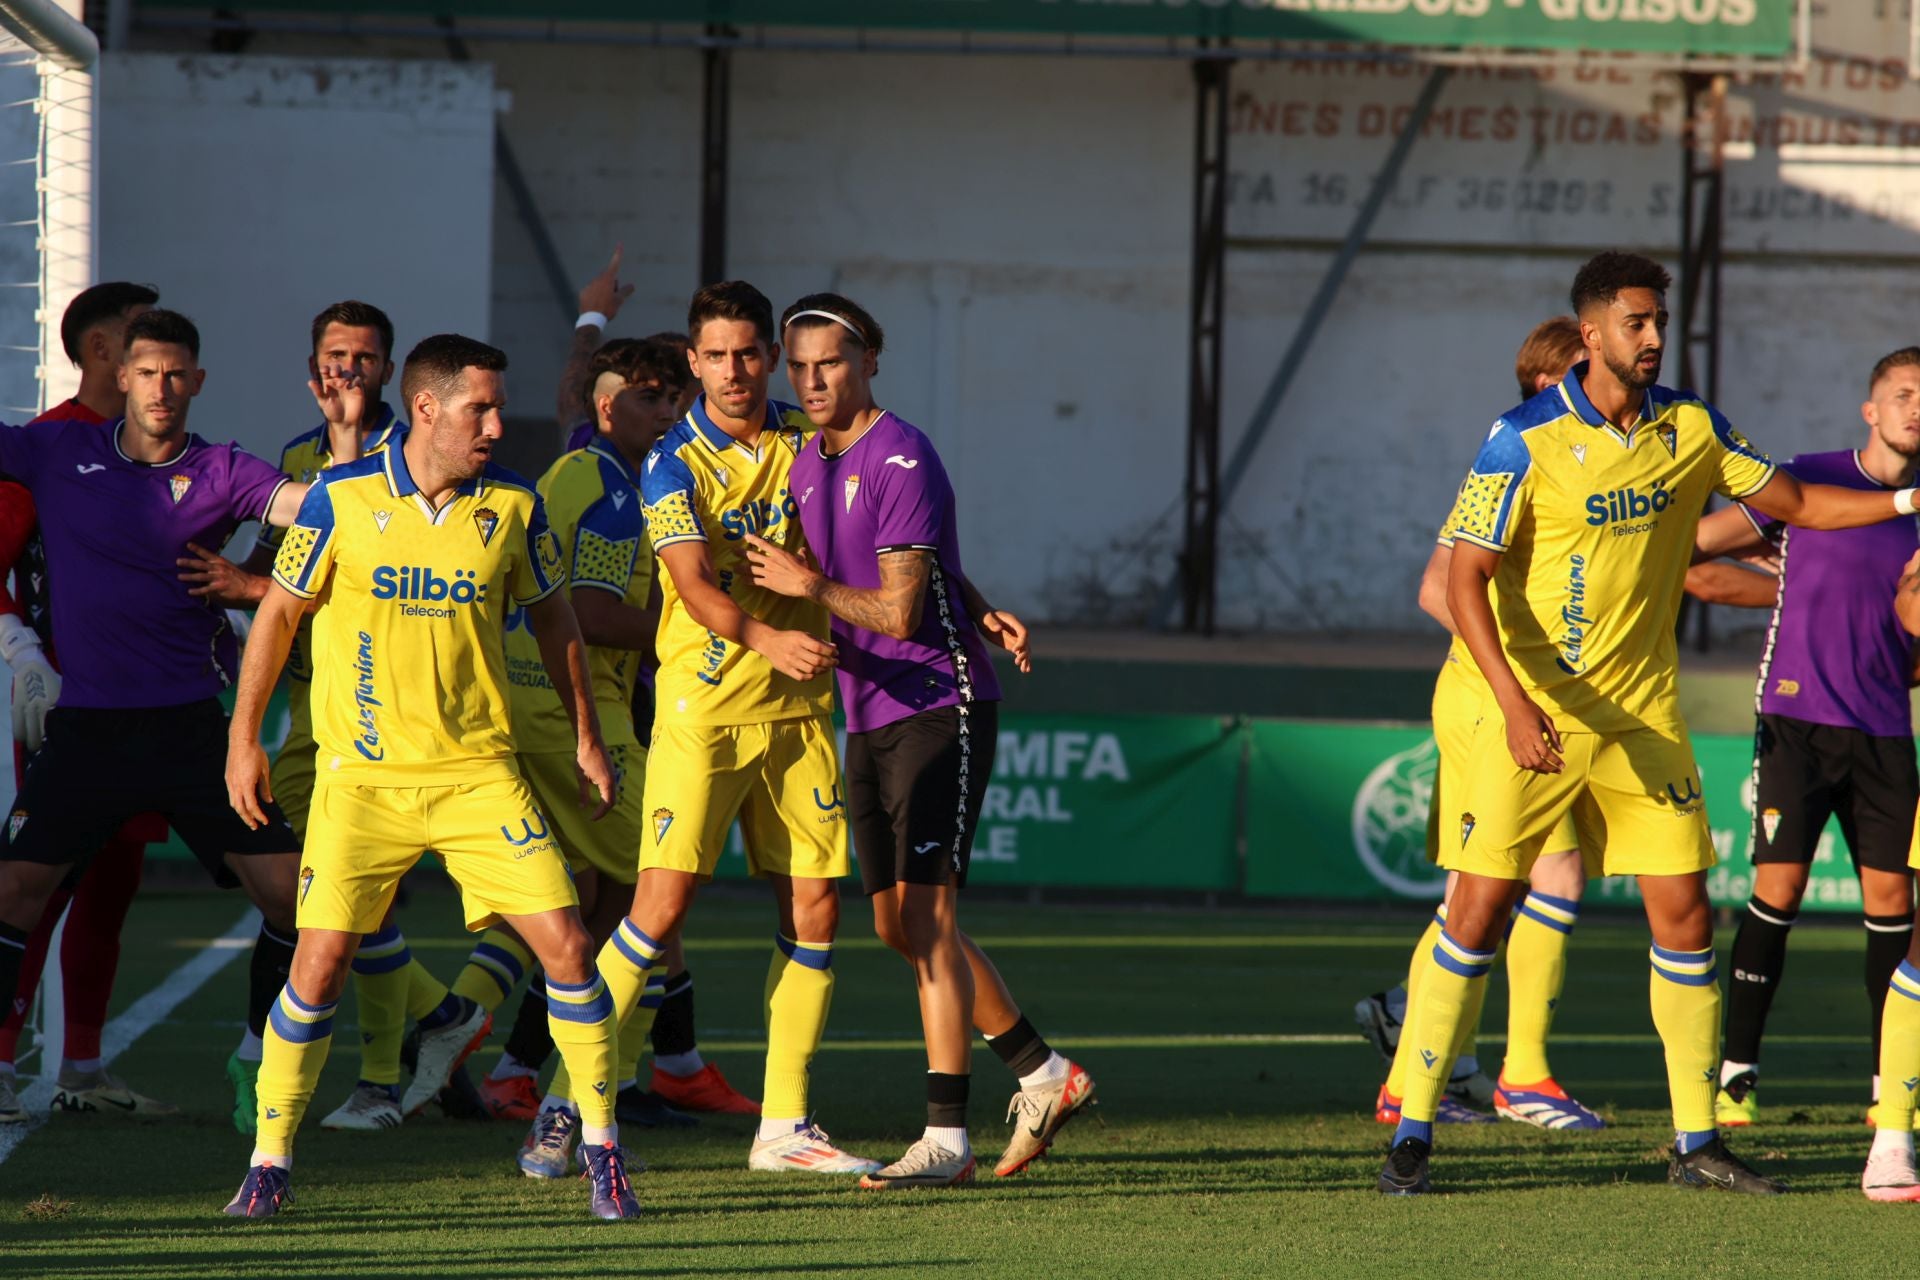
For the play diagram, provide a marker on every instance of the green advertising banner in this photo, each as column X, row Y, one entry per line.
column 1718, row 27
column 1119, row 802
column 1339, row 811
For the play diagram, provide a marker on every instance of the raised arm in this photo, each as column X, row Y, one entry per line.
column 600, row 300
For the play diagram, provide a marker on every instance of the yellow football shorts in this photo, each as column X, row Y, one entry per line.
column 490, row 835
column 610, row 846
column 292, row 774
column 1634, row 796
column 781, row 779
column 1457, row 699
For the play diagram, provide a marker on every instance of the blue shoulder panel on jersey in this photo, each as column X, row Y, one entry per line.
column 312, row 435
column 666, row 472
column 506, row 478
column 1505, row 453
column 370, row 465
column 1730, row 438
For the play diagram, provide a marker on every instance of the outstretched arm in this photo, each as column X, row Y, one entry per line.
column 1825, row 506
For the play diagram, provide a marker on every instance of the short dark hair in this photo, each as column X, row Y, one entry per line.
column 1904, row 358
column 678, row 341
column 865, row 329
column 101, row 303
column 1600, row 281
column 359, row 315
column 437, row 364
column 638, row 360
column 730, row 300
column 163, row 326
column 1552, row 348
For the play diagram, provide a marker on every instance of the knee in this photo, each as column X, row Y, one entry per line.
column 1780, row 885
column 321, row 960
column 922, row 927
column 816, row 917
column 1561, row 875
column 570, row 959
column 887, row 927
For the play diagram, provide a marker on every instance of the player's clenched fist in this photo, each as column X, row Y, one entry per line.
column 797, row 654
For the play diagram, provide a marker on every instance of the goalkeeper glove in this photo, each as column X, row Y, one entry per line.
column 36, row 685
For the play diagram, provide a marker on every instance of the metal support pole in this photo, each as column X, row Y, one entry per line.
column 1702, row 251
column 508, row 166
column 1199, row 559
column 1322, row 303
column 718, row 79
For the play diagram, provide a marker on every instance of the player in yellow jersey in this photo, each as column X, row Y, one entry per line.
column 1576, row 526
column 742, row 699
column 349, row 364
column 412, row 558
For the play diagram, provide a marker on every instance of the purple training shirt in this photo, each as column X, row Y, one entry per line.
column 1836, row 653
column 888, row 492
column 130, row 635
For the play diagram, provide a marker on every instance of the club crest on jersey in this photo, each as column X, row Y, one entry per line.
column 381, row 517
column 14, row 823
column 1667, row 437
column 486, row 520
column 1466, row 826
column 1770, row 822
column 1580, row 454
column 662, row 819
column 178, row 485
column 853, row 487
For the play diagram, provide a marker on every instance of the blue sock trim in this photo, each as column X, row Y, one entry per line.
column 441, row 1014
column 1692, row 1140
column 1411, row 1128
column 810, row 955
column 1569, row 905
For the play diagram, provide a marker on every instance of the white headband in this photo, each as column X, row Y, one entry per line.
column 828, row 315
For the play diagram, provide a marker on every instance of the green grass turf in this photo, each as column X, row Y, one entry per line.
column 1217, row 1151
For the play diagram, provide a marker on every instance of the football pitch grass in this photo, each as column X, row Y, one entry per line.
column 1233, row 1137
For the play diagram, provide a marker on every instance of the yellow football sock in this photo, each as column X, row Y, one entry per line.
column 494, row 967
column 584, row 1029
column 380, row 983
column 1684, row 990
column 638, row 1027
column 1536, row 972
column 629, row 963
column 1416, row 974
column 799, row 992
column 424, row 991
column 292, row 1053
column 1899, row 1050
column 1433, row 1024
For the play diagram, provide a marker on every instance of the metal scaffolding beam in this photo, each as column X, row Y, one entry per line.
column 1199, row 552
column 1703, row 215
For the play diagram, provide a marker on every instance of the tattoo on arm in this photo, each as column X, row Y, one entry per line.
column 888, row 608
column 569, row 404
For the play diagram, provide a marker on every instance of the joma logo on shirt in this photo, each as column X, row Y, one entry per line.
column 757, row 516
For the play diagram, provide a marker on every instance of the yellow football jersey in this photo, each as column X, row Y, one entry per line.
column 306, row 456
column 1597, row 530
column 700, row 484
column 409, row 645
column 592, row 499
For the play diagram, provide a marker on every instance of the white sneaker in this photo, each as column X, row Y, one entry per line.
column 926, row 1164
column 549, row 1143
column 441, row 1050
column 807, row 1148
column 368, row 1107
column 1890, row 1177
column 96, row 1092
column 11, row 1112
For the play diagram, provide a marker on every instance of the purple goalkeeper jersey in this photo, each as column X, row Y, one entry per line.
column 1836, row 653
column 130, row 635
column 888, row 492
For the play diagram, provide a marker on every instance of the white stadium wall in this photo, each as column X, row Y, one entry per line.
column 1021, row 227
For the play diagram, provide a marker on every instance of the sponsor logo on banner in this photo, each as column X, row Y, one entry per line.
column 1389, row 822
